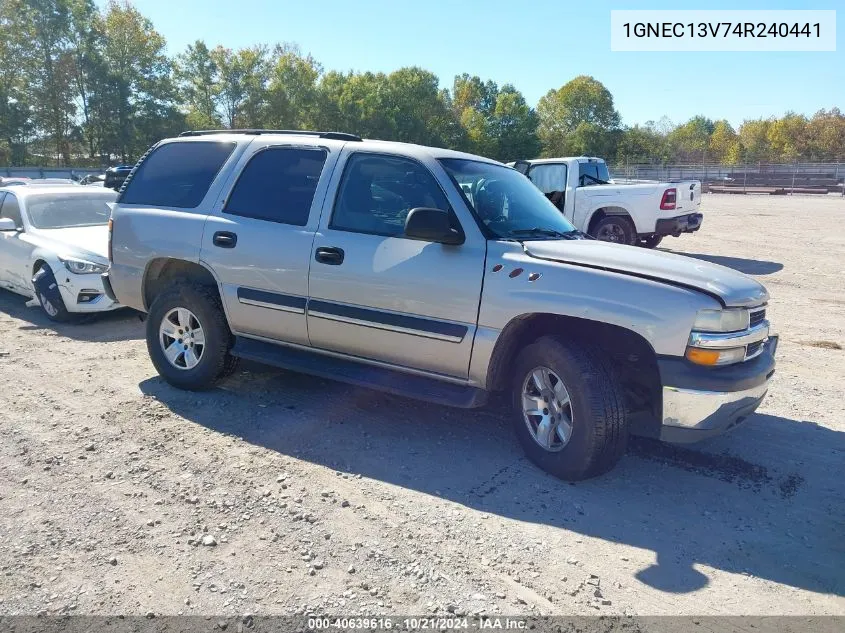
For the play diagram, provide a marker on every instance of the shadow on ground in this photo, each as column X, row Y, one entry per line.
column 779, row 519
column 117, row 325
column 747, row 266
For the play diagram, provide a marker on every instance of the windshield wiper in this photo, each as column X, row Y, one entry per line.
column 545, row 232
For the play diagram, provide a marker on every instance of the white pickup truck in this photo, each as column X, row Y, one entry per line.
column 639, row 213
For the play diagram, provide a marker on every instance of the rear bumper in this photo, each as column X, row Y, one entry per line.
column 700, row 402
column 681, row 224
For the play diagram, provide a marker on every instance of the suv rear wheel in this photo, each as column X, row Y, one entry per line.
column 188, row 338
column 569, row 412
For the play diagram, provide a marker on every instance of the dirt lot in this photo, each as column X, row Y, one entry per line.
column 279, row 493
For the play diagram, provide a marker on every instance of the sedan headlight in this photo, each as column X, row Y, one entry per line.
column 82, row 267
column 721, row 320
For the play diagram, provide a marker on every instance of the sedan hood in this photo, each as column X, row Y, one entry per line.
column 79, row 241
column 733, row 288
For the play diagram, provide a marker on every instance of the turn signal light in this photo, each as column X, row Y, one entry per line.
column 713, row 357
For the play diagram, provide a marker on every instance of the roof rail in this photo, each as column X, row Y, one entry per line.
column 338, row 136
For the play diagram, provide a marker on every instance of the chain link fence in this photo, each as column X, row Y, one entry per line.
column 774, row 178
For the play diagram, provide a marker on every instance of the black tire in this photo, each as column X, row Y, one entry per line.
column 49, row 297
column 652, row 241
column 615, row 228
column 599, row 426
column 215, row 360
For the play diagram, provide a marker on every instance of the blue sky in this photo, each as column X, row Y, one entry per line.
column 534, row 45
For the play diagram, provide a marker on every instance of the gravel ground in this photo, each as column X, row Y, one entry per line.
column 283, row 494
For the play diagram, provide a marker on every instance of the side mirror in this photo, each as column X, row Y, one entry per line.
column 7, row 224
column 432, row 225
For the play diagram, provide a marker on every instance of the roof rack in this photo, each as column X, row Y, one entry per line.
column 338, row 136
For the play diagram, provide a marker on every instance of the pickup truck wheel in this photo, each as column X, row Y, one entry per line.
column 569, row 412
column 615, row 228
column 652, row 241
column 188, row 338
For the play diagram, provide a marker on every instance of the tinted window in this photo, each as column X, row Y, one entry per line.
column 278, row 184
column 594, row 171
column 549, row 177
column 378, row 191
column 177, row 174
column 11, row 209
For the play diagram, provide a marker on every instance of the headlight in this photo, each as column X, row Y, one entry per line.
column 721, row 320
column 81, row 267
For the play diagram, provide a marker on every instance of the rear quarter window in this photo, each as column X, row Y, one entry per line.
column 176, row 174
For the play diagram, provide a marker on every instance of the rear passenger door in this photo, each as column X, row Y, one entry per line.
column 258, row 240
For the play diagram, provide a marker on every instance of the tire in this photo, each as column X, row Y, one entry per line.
column 598, row 433
column 205, row 313
column 652, row 241
column 49, row 297
column 615, row 228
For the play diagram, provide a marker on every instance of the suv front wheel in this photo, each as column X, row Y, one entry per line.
column 188, row 338
column 569, row 412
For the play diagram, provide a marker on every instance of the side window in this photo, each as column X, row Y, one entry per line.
column 377, row 192
column 588, row 173
column 11, row 209
column 176, row 174
column 549, row 177
column 278, row 185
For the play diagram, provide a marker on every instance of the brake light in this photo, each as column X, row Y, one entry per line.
column 670, row 196
column 111, row 224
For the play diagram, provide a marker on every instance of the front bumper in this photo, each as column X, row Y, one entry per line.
column 699, row 402
column 681, row 224
column 85, row 293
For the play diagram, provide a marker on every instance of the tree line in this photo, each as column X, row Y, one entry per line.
column 80, row 86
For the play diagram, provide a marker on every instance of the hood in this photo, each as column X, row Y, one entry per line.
column 79, row 241
column 733, row 288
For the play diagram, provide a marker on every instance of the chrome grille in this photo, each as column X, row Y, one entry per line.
column 757, row 317
column 753, row 349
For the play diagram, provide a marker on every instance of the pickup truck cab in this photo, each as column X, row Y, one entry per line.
column 432, row 274
column 638, row 213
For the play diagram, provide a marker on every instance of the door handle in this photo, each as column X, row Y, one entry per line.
column 224, row 239
column 330, row 255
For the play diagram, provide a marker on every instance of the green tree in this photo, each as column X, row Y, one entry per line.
column 16, row 123
column 826, row 135
column 722, row 140
column 137, row 105
column 754, row 136
column 691, row 140
column 242, row 85
column 292, row 93
column 787, row 137
column 642, row 144
column 514, row 126
column 579, row 117
column 49, row 65
column 471, row 92
column 197, row 75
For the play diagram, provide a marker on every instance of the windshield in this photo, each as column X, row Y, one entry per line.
column 505, row 201
column 61, row 211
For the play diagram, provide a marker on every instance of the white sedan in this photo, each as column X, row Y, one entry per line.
column 54, row 246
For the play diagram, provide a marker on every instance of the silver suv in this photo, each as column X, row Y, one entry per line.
column 431, row 274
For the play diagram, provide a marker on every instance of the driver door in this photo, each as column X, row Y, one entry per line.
column 376, row 294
